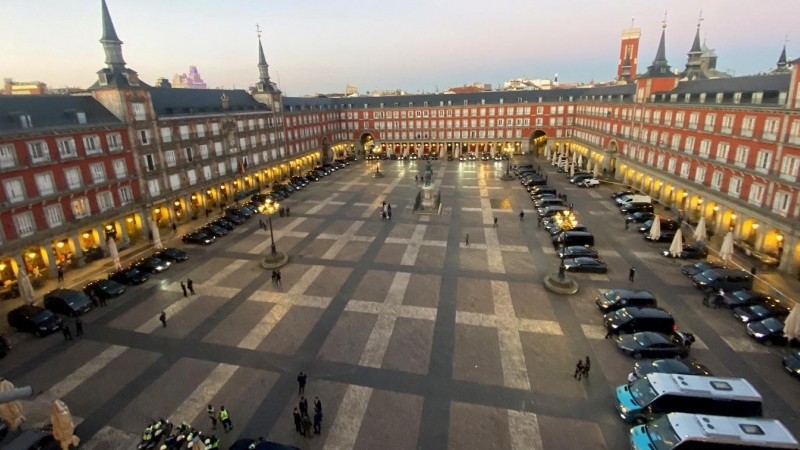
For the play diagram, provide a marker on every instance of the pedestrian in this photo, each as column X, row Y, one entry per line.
column 586, row 366
column 539, row 222
column 718, row 300
column 631, row 274
column 626, row 224
column 103, row 303
column 261, row 223
column 60, row 273
column 689, row 341
column 307, row 426
column 183, row 287
column 466, row 239
column 190, row 285
column 79, row 328
column 565, row 197
column 163, row 319
column 303, row 407
column 150, row 235
column 610, row 333
column 753, row 270
column 212, row 416
column 288, row 210
column 318, row 422
column 174, row 227
column 317, row 405
column 571, row 206
column 274, row 276
column 225, row 418
column 389, row 208
column 578, row 370
column 94, row 300
column 383, row 215
column 278, row 278
column 521, row 216
column 301, row 381
column 416, row 179
column 280, row 211
column 389, row 215
column 495, row 222
column 632, row 377
column 67, row 333
column 298, row 422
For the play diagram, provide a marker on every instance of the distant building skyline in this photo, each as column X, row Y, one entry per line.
column 192, row 80
column 578, row 39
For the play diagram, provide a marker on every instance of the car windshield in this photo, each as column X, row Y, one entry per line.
column 642, row 339
column 622, row 314
column 131, row 273
column 759, row 311
column 669, row 366
column 661, row 434
column 611, row 295
column 41, row 316
column 773, row 325
column 648, row 224
column 642, row 392
column 742, row 295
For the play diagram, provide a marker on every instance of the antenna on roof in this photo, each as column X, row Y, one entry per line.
column 633, row 19
column 664, row 23
column 700, row 19
column 258, row 31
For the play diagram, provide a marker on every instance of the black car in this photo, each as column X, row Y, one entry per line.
column 576, row 251
column 745, row 297
column 791, row 363
column 556, row 230
column 693, row 251
column 585, row 264
column 754, row 313
column 33, row 319
column 260, row 198
column 640, row 217
column 619, row 194
column 241, row 212
column 172, row 255
column 300, row 180
column 130, row 276
column 649, row 344
column 231, row 217
column 151, row 264
column 67, row 302
column 666, row 236
column 198, row 237
column 104, row 289
column 769, row 332
column 485, row 156
column 213, row 230
column 537, row 197
column 666, row 225
column 222, row 222
column 312, row 175
column 693, row 269
column 643, row 368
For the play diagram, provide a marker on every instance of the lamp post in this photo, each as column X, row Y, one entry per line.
column 269, row 210
column 507, row 176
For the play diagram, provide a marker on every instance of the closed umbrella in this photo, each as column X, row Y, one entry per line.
column 25, row 287
column 63, row 426
column 700, row 232
column 580, row 160
column 156, row 235
column 676, row 247
column 655, row 229
column 547, row 152
column 571, row 170
column 11, row 412
column 574, row 157
column 112, row 250
column 405, row 152
column 596, row 170
column 726, row 251
column 792, row 326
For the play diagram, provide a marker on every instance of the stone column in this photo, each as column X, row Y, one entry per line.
column 76, row 240
column 101, row 236
column 51, row 259
column 123, row 232
column 787, row 263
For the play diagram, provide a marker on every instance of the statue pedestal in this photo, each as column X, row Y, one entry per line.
column 427, row 197
column 560, row 284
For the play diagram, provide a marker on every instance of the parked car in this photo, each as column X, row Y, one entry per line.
column 485, row 156
column 198, row 237
column 576, row 251
column 666, row 236
column 588, row 183
column 222, row 222
column 33, row 319
column 537, row 197
column 231, row 217
column 556, row 230
column 619, row 194
column 552, row 211
column 578, row 177
column 640, row 217
column 615, row 299
column 172, row 255
column 649, row 344
column 693, row 251
column 693, row 269
column 151, row 264
column 726, row 279
column 104, row 289
column 754, row 313
column 241, row 212
column 213, row 230
column 584, row 264
column 67, row 302
column 769, row 332
column 130, row 276
column 33, row 439
column 666, row 225
column 791, row 363
column 674, row 366
column 745, row 297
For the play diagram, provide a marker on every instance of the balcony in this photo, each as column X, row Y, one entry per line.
column 726, row 130
column 769, row 136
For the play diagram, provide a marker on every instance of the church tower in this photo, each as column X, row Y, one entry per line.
column 628, row 54
column 266, row 91
column 659, row 76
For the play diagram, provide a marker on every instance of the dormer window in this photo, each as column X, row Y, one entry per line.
column 702, row 97
column 737, row 97
column 81, row 117
column 25, row 121
column 720, row 95
column 757, row 97
column 103, row 78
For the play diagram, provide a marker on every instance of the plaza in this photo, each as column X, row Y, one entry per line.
column 410, row 337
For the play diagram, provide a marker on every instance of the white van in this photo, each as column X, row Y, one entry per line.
column 634, row 199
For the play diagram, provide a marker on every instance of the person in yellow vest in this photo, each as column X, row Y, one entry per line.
column 212, row 416
column 148, row 433
column 225, row 418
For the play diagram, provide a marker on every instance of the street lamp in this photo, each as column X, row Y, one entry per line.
column 269, row 210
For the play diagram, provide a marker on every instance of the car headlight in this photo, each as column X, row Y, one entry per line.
column 43, row 328
column 759, row 335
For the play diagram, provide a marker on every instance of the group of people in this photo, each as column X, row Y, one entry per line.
column 719, row 299
column 302, row 421
column 78, row 330
column 386, row 211
column 276, row 277
column 189, row 285
column 582, row 369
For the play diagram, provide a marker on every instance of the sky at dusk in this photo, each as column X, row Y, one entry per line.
column 321, row 46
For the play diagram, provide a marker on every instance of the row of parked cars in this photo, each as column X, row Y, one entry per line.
column 42, row 321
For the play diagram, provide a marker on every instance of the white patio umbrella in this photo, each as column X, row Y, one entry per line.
column 156, row 234
column 791, row 327
column 571, row 170
column 580, row 160
column 676, row 247
column 553, row 160
column 112, row 250
column 655, row 229
column 63, row 425
column 726, row 251
column 700, row 232
column 574, row 156
column 25, row 287
column 596, row 170
column 547, row 152
column 11, row 412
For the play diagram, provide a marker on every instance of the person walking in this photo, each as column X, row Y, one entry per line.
column 627, row 224
column 190, row 285
column 278, row 277
column 303, row 406
column 610, row 333
column 306, row 426
column 389, row 215
column 183, row 287
column 495, row 222
column 274, row 276
column 163, row 319
column 298, row 421
column 150, row 236
column 79, row 328
column 318, row 422
column 288, row 211
column 416, row 179
column 466, row 240
column 60, row 273
column 587, row 365
column 212, row 415
column 718, row 300
column 383, row 215
column 67, row 333
column 301, row 381
column 102, row 301
column 317, row 405
column 631, row 274
column 632, row 377
column 521, row 216
column 225, row 418
column 174, row 228
column 261, row 223
column 94, row 300
column 578, row 370
column 689, row 341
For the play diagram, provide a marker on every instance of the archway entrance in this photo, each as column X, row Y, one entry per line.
column 538, row 141
column 612, row 161
column 326, row 154
column 367, row 142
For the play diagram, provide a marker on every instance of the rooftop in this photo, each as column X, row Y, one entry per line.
column 52, row 113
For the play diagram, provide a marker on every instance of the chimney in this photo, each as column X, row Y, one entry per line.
column 555, row 83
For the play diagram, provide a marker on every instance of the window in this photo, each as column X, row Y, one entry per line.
column 14, row 191
column 184, row 130
column 735, row 186
column 175, row 181
column 207, row 172
column 782, row 203
column 105, row 201
column 756, row 196
column 763, row 161
column 144, row 137
column 154, row 187
column 114, row 141
column 789, row 167
column 120, row 169
column 668, row 118
column 679, row 119
column 73, row 176
column 25, row 121
column 671, row 165
column 688, row 145
column 700, row 174
column 676, row 142
column 240, row 125
column 218, row 148
column 203, row 151
column 66, row 148
column 80, row 208
column 705, row 148
column 24, row 224
column 685, row 166
column 693, row 118
column 91, row 145
column 748, row 125
column 44, row 182
column 149, row 163
column 261, row 123
column 771, row 129
column 251, row 124
column 221, row 168
column 8, row 157
column 191, row 175
column 169, row 157
column 215, row 129
column 187, row 153
column 166, row 134
column 716, row 180
column 98, row 172
column 242, row 144
column 711, row 120
column 54, row 215
column 660, row 162
column 38, row 151
column 741, row 155
column 138, row 111
column 727, row 124
column 201, row 130
column 125, row 195
column 722, row 151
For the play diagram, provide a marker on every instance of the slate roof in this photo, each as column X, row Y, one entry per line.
column 752, row 83
column 52, row 113
column 176, row 102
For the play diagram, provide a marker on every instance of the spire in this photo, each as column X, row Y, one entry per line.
column 782, row 65
column 264, row 84
column 661, row 53
column 111, row 43
column 696, row 48
column 694, row 64
column 660, row 66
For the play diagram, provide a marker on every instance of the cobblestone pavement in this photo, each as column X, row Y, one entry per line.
column 410, row 338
